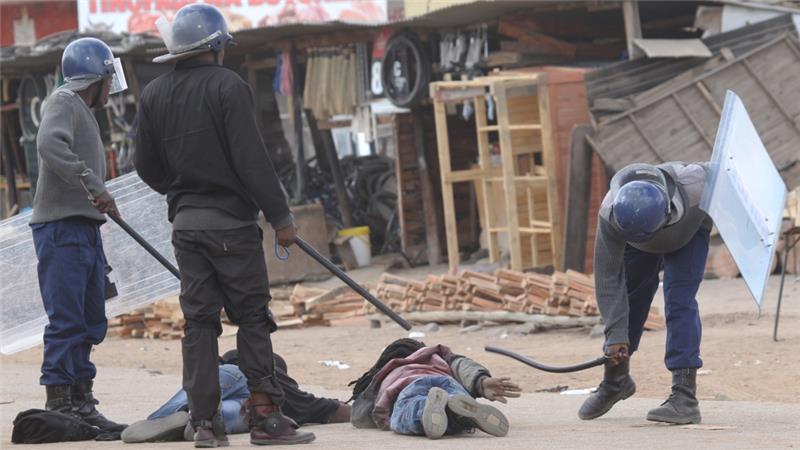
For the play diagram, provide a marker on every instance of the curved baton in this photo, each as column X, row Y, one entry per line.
column 312, row 252
column 547, row 368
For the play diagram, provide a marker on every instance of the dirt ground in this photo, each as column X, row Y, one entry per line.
column 749, row 384
column 741, row 362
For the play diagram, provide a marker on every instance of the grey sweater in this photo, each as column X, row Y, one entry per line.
column 685, row 184
column 71, row 160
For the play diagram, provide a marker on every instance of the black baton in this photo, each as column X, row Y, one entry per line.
column 138, row 238
column 545, row 367
column 312, row 252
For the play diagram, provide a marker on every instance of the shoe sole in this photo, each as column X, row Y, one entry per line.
column 211, row 443
column 487, row 418
column 305, row 439
column 673, row 420
column 168, row 428
column 625, row 395
column 434, row 415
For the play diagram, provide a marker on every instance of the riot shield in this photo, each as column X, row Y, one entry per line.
column 140, row 279
column 745, row 196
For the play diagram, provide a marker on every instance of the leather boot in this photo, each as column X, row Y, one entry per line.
column 83, row 402
column 682, row 406
column 207, row 433
column 268, row 425
column 617, row 385
column 59, row 399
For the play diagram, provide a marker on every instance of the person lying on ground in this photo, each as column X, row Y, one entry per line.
column 418, row 390
column 169, row 422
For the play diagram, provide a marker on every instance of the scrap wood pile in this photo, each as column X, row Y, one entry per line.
column 569, row 294
column 161, row 320
column 561, row 294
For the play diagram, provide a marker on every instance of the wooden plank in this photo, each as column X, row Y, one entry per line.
column 509, row 171
column 691, row 118
column 707, row 95
column 644, row 136
column 459, row 95
column 296, row 115
column 549, row 160
column 535, row 39
column 433, row 246
column 633, row 27
column 484, row 161
column 579, row 180
column 459, row 176
column 770, row 94
column 448, row 201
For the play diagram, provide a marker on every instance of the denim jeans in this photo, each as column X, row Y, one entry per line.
column 683, row 272
column 71, row 279
column 407, row 411
column 234, row 394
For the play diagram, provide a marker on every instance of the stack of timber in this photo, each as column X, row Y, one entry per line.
column 500, row 295
column 562, row 294
column 161, row 320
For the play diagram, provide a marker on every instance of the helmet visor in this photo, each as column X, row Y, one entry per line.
column 118, row 82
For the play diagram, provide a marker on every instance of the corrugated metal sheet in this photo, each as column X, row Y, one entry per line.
column 680, row 124
column 611, row 88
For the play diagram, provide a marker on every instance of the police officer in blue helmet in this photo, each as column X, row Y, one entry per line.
column 66, row 228
column 649, row 221
column 198, row 142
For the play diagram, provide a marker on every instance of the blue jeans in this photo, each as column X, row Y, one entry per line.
column 407, row 411
column 234, row 394
column 683, row 272
column 71, row 269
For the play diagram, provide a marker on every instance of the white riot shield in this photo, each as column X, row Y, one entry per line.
column 745, row 196
column 140, row 279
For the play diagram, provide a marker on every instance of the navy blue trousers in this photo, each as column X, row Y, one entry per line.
column 683, row 272
column 71, row 270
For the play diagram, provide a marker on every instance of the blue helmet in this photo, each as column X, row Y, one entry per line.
column 640, row 209
column 87, row 59
column 196, row 28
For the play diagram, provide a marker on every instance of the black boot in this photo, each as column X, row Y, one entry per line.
column 617, row 385
column 682, row 406
column 83, row 402
column 59, row 399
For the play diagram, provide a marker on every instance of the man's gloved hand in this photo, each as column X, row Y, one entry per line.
column 286, row 235
column 617, row 353
column 105, row 204
column 497, row 389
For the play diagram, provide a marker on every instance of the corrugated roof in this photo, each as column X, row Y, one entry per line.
column 610, row 88
column 17, row 59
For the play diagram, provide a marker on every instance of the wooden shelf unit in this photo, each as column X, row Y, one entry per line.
column 526, row 174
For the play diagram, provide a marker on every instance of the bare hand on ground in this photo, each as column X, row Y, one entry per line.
column 286, row 235
column 617, row 353
column 105, row 204
column 497, row 389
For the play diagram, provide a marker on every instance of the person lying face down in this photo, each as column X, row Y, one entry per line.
column 170, row 421
column 417, row 390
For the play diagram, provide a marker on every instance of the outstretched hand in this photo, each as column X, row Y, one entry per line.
column 497, row 389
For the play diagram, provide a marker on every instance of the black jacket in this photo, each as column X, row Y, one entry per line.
column 198, row 142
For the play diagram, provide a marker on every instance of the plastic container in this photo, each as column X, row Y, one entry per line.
column 359, row 243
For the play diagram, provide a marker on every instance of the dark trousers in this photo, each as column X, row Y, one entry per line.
column 71, row 268
column 683, row 272
column 224, row 269
column 303, row 407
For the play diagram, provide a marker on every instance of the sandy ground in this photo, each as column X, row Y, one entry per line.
column 749, row 386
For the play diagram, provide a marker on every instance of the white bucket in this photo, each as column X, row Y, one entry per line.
column 359, row 243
